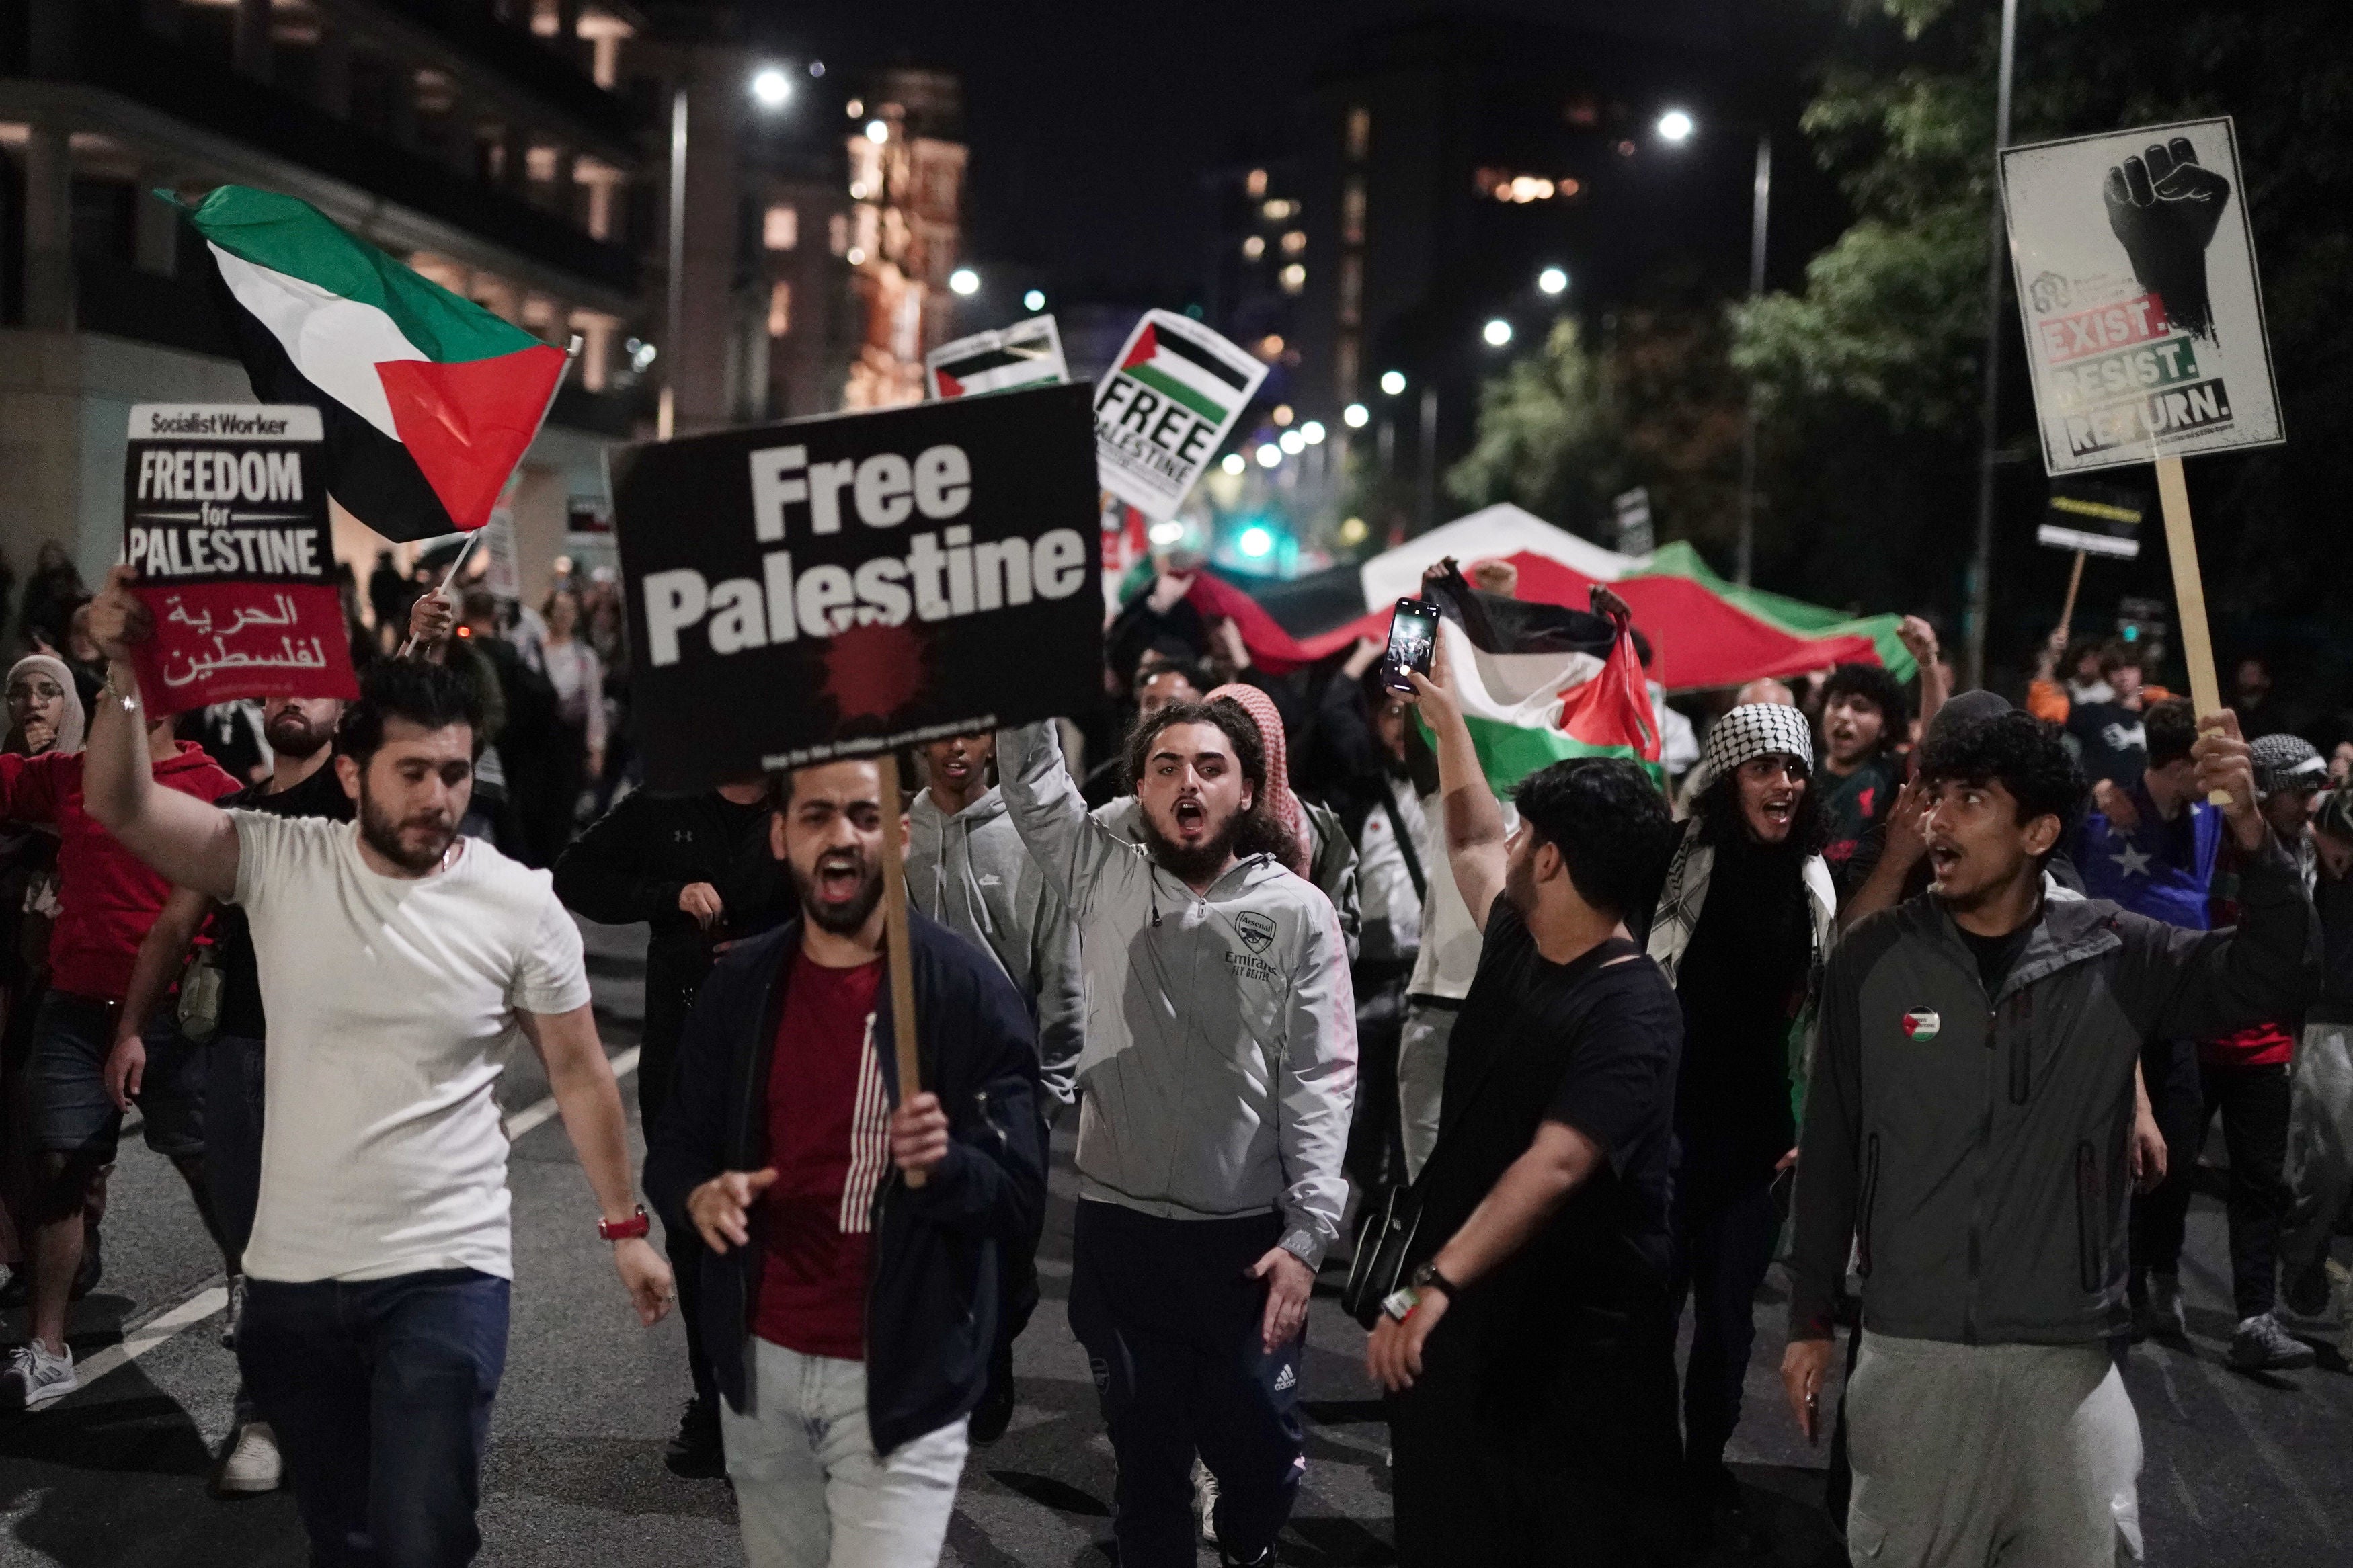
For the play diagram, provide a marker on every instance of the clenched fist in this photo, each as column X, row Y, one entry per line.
column 2165, row 207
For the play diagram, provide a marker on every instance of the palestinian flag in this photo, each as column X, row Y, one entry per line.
column 1538, row 683
column 428, row 400
column 1029, row 355
column 1190, row 371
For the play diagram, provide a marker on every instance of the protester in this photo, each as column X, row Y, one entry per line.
column 848, row 1317
column 1530, row 1363
column 1743, row 925
column 1865, row 716
column 696, row 868
column 966, row 868
column 1166, row 675
column 301, row 732
column 1214, row 1087
column 2320, row 1111
column 108, row 900
column 2107, row 730
column 2244, row 1075
column 1766, row 690
column 577, row 756
column 1984, row 1209
column 2252, row 700
column 390, row 596
column 397, row 961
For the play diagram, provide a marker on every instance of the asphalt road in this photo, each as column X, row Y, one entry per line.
column 2240, row 1469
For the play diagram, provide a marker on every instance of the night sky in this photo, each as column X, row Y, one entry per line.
column 1090, row 121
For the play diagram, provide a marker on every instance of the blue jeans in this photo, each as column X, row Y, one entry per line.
column 379, row 1392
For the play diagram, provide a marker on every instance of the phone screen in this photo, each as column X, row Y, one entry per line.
column 1413, row 641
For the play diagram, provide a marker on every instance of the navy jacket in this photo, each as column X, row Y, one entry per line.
column 938, row 1252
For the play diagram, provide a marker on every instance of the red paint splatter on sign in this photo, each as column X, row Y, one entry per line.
column 872, row 671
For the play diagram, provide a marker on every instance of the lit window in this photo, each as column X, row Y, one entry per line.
column 1360, row 132
column 1278, row 210
column 1283, row 414
column 781, row 230
column 1294, row 241
column 780, row 309
column 1292, row 277
column 1352, row 212
column 1253, row 247
column 836, row 233
column 855, row 107
column 1256, row 184
column 1270, row 346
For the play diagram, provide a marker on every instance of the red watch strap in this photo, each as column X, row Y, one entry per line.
column 637, row 1225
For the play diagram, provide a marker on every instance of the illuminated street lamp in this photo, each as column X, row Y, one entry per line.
column 1498, row 332
column 1233, row 463
column 1268, row 454
column 1292, row 442
column 1392, row 382
column 771, row 87
column 877, row 131
column 1356, row 416
column 1035, row 300
column 965, row 281
column 1676, row 127
column 1552, row 280
column 1311, row 432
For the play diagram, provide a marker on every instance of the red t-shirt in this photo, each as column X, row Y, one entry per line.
column 828, row 1139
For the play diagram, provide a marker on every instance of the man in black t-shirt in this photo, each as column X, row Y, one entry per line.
column 1530, row 1360
column 300, row 731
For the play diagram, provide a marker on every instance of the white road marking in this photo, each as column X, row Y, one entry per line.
column 206, row 1302
column 532, row 1115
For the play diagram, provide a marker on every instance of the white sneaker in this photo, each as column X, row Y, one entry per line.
column 35, row 1379
column 235, row 1311
column 1205, row 1499
column 251, row 1463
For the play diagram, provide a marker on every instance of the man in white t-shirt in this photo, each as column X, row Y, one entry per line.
column 397, row 961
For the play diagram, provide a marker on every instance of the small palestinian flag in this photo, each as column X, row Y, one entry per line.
column 1029, row 355
column 1187, row 371
column 429, row 401
column 1537, row 683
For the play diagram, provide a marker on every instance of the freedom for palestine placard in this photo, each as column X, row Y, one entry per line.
column 225, row 517
column 2136, row 271
column 835, row 586
column 1165, row 406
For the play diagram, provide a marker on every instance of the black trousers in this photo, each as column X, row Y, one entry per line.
column 1509, row 1454
column 1722, row 1253
column 2253, row 1101
column 657, row 1070
column 2169, row 1069
column 1374, row 1160
column 1170, row 1322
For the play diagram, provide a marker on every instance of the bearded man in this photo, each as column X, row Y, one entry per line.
column 1215, row 1087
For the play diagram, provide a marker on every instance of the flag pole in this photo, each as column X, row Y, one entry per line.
column 896, row 945
column 571, row 353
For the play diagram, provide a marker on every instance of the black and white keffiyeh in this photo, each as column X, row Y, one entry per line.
column 1754, row 730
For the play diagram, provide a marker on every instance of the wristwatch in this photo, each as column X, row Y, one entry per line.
column 628, row 1229
column 1428, row 1278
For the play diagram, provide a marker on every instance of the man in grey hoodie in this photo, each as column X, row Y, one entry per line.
column 966, row 869
column 1214, row 1090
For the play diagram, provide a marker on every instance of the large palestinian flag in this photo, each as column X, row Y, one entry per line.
column 1538, row 683
column 428, row 400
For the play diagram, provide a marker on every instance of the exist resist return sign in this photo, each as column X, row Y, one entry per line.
column 832, row 588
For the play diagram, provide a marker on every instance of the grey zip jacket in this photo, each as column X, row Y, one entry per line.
column 970, row 873
column 1220, row 1057
column 1974, row 1150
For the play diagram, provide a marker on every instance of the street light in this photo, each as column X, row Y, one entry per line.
column 1254, row 542
column 1268, row 454
column 1676, row 127
column 772, row 88
column 1497, row 332
column 877, row 131
column 1392, row 382
column 1035, row 300
column 1552, row 280
column 1356, row 416
column 965, row 281
column 1311, row 432
column 1233, row 463
column 1292, row 442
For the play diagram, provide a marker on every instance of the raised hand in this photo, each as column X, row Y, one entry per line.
column 2164, row 207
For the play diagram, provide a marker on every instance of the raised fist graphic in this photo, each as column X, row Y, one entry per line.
column 2165, row 207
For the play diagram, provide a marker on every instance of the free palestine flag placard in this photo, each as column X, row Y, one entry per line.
column 1028, row 354
column 1174, row 395
column 428, row 400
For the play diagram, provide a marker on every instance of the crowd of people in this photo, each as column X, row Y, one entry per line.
column 1930, row 997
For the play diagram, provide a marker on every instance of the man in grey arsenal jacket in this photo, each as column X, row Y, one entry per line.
column 1214, row 1090
column 1968, row 1130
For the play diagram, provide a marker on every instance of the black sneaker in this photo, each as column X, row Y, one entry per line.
column 93, row 1266
column 1265, row 1558
column 993, row 1414
column 696, row 1452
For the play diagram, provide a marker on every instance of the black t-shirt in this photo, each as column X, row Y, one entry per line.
column 1741, row 983
column 320, row 795
column 1997, row 955
column 1852, row 807
column 1591, row 1044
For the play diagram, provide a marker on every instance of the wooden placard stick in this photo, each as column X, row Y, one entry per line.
column 2189, row 595
column 2075, row 582
column 899, row 959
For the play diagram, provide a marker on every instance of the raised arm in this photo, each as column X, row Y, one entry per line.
column 187, row 840
column 1050, row 816
column 1474, row 819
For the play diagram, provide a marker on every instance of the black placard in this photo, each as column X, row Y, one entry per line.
column 831, row 587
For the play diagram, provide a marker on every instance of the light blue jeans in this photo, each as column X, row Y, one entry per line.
column 809, row 1489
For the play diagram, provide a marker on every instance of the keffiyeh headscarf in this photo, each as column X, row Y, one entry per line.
column 2287, row 761
column 1754, row 730
column 1281, row 804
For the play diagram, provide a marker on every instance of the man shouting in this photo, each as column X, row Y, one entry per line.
column 1214, row 1091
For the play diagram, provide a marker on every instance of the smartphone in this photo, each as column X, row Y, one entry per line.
column 1413, row 642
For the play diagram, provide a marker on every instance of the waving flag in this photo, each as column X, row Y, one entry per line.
column 429, row 401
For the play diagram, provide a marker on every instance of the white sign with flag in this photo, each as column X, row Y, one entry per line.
column 505, row 575
column 1165, row 407
column 1028, row 354
column 2136, row 271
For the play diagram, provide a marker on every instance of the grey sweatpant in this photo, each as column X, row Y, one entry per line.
column 1990, row 1457
column 1421, row 1077
column 2319, row 1143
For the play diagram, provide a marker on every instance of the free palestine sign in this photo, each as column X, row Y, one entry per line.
column 1170, row 400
